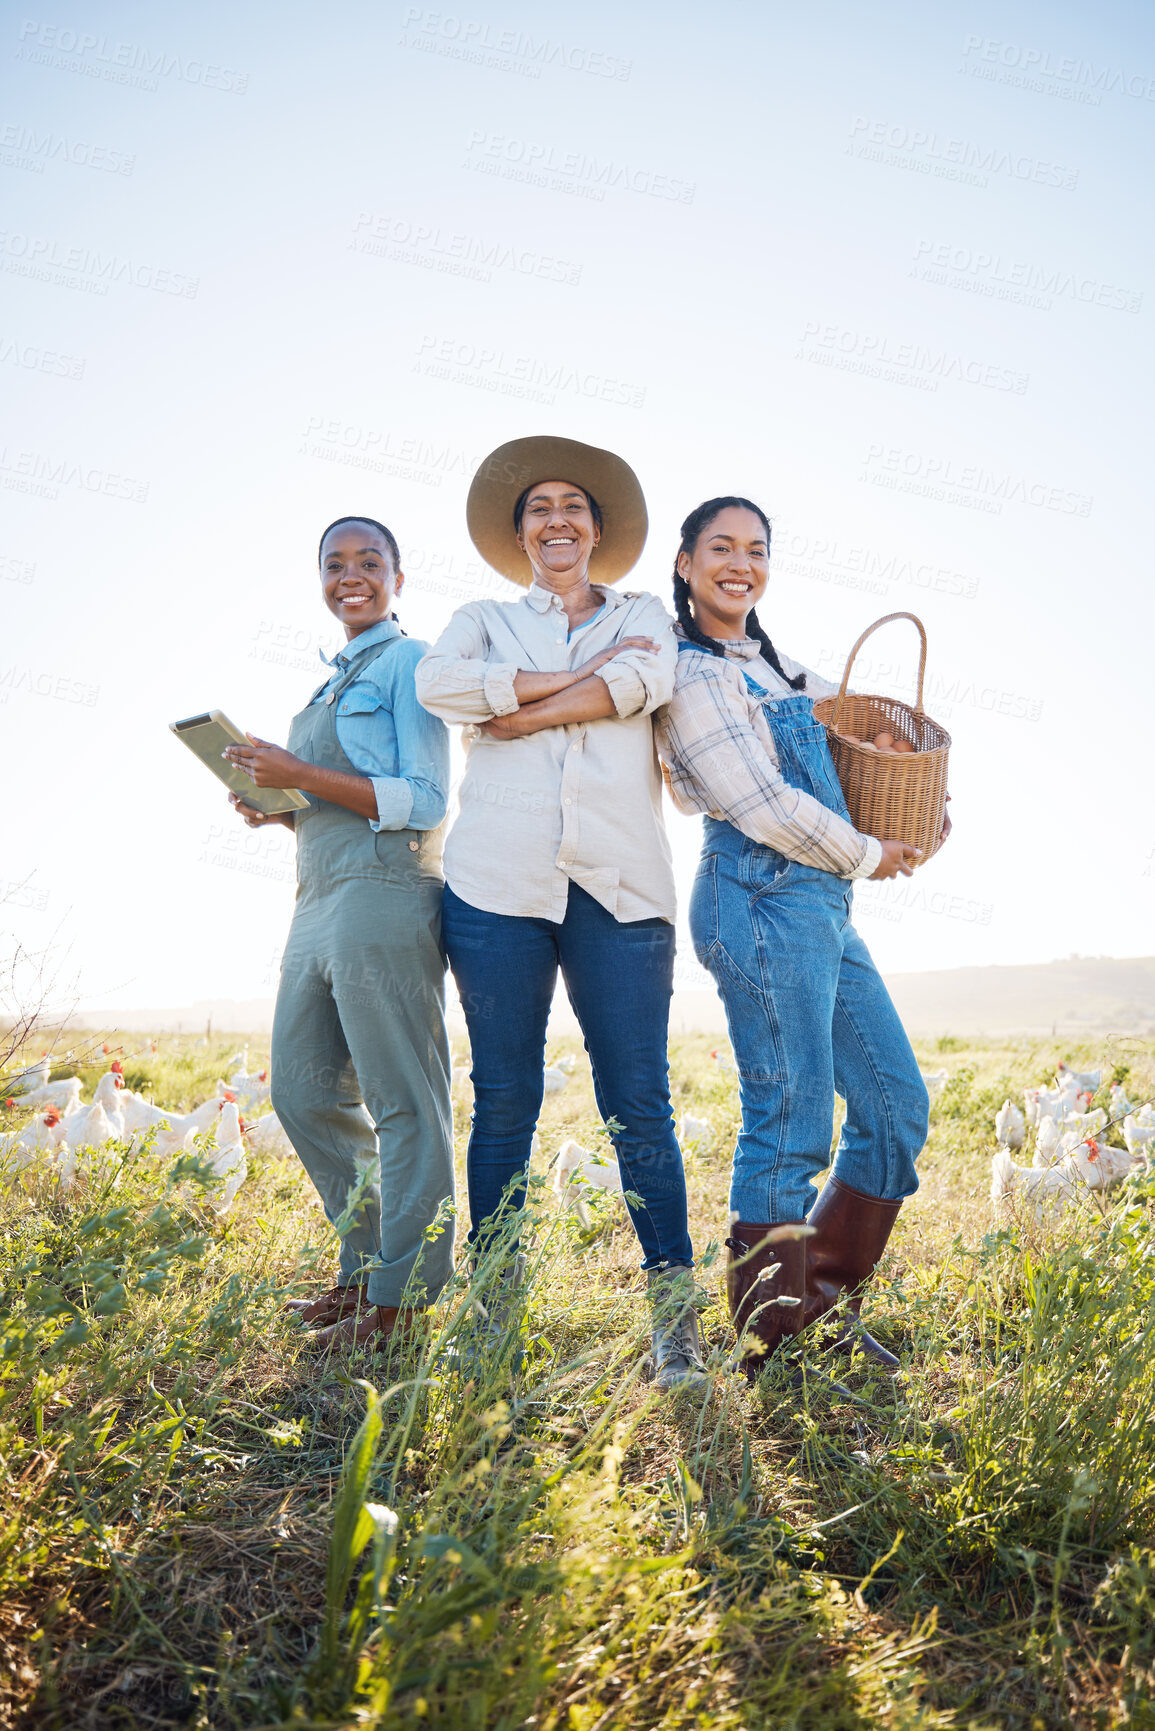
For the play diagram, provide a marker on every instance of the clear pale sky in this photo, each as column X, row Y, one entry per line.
column 887, row 270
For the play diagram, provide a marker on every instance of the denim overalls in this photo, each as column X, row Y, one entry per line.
column 807, row 1010
column 360, row 1065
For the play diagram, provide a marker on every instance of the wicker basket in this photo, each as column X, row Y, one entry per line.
column 899, row 796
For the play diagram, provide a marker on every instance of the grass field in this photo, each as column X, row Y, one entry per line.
column 206, row 1525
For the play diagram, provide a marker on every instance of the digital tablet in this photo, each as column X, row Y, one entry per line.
column 207, row 736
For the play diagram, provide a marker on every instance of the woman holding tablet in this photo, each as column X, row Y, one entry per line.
column 559, row 858
column 360, row 1064
column 770, row 916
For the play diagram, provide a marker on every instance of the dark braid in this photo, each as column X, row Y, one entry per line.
column 693, row 528
column 386, row 535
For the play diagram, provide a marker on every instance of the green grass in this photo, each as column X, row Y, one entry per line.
column 203, row 1524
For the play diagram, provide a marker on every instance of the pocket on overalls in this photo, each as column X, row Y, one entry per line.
column 763, row 869
column 704, row 908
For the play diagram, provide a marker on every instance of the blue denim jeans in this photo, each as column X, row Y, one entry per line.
column 619, row 978
column 808, row 1015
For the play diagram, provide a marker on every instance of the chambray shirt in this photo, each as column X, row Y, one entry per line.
column 387, row 735
column 577, row 804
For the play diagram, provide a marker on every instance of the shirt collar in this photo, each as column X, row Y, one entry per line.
column 380, row 633
column 541, row 600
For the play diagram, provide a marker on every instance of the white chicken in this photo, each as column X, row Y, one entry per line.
column 556, row 1079
column 692, row 1132
column 194, row 1123
column 567, row 1062
column 250, row 1089
column 1120, row 1105
column 1038, row 1185
column 1097, row 1164
column 1010, row 1126
column 94, row 1125
column 724, row 1060
column 936, row 1080
column 578, row 1164
column 1083, row 1079
column 1137, row 1136
column 42, row 1134
column 32, row 1076
column 227, row 1159
column 1047, row 1139
column 63, row 1096
column 267, row 1135
column 1146, row 1113
column 1084, row 1164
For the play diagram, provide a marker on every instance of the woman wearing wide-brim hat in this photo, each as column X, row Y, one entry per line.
column 559, row 857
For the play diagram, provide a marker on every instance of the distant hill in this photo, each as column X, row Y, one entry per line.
column 1084, row 995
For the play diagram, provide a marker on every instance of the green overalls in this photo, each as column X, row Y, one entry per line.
column 360, row 1061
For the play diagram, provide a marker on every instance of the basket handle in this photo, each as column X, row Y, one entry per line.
column 885, row 620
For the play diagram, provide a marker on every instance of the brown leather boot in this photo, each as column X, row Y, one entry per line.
column 331, row 1306
column 851, row 1231
column 373, row 1326
column 752, row 1288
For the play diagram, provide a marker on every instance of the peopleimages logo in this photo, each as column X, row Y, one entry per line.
column 80, row 267
column 24, row 147
column 120, row 62
column 428, row 245
column 1009, row 279
column 1032, row 68
column 951, row 158
column 941, row 478
column 535, row 163
column 508, row 50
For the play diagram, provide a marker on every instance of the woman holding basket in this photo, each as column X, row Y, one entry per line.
column 770, row 917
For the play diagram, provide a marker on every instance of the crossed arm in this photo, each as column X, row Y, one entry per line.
column 556, row 699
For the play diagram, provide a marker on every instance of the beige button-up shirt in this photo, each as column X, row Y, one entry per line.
column 576, row 804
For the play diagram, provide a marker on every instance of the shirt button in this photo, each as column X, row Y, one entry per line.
column 412, row 847
column 569, row 801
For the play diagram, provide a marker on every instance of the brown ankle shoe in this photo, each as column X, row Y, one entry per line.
column 851, row 1232
column 375, row 1324
column 331, row 1306
column 754, row 1285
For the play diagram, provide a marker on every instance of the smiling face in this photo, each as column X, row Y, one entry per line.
column 727, row 571
column 357, row 576
column 558, row 533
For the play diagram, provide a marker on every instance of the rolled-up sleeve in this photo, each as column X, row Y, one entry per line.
column 639, row 680
column 455, row 681
column 396, row 744
column 718, row 764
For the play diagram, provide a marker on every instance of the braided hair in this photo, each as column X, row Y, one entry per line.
column 386, row 535
column 693, row 528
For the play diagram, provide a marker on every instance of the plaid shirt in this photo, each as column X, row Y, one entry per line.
column 719, row 752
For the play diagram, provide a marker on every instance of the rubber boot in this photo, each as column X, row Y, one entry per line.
column 676, row 1352
column 851, row 1233
column 766, row 1285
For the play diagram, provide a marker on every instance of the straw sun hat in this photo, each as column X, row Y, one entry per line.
column 507, row 472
